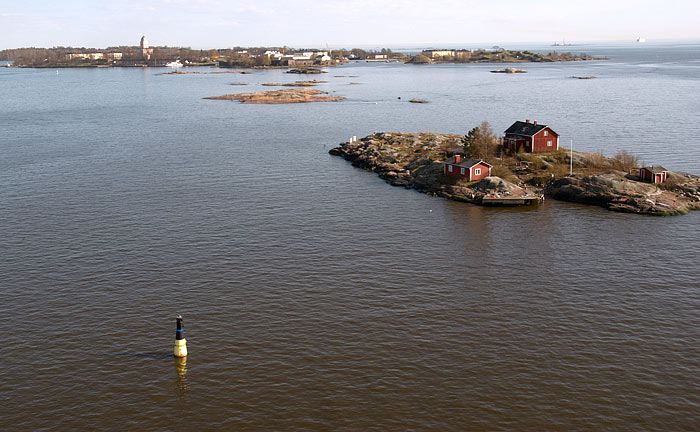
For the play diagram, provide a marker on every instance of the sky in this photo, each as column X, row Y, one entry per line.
column 204, row 24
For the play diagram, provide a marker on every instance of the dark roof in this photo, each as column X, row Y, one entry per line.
column 658, row 169
column 524, row 129
column 466, row 163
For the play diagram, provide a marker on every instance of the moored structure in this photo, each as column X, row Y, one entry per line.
column 530, row 138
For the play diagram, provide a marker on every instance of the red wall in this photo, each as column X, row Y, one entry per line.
column 469, row 173
column 647, row 175
column 485, row 171
column 520, row 143
column 456, row 171
column 540, row 144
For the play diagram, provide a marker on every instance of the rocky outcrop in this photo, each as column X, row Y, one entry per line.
column 496, row 185
column 297, row 95
column 414, row 161
column 400, row 159
column 613, row 190
column 309, row 83
column 306, row 71
column 509, row 70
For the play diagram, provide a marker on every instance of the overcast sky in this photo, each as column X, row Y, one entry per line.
column 339, row 23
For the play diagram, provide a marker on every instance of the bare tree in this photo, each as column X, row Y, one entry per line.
column 480, row 142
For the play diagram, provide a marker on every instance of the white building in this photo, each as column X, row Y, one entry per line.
column 88, row 56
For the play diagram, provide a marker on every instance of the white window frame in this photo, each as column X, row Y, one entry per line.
column 546, row 133
column 549, row 143
column 461, row 171
column 449, row 168
column 477, row 171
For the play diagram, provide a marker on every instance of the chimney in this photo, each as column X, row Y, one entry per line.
column 535, row 123
column 527, row 121
column 458, row 158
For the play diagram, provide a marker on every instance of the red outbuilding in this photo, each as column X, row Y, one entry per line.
column 530, row 138
column 469, row 169
column 654, row 174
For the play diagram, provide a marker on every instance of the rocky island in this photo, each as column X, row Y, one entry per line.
column 294, row 95
column 307, row 83
column 415, row 161
column 509, row 70
column 495, row 55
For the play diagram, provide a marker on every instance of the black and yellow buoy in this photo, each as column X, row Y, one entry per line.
column 180, row 341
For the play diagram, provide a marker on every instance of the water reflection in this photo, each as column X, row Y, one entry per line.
column 181, row 375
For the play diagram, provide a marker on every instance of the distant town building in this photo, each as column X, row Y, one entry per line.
column 300, row 61
column 438, row 53
column 463, row 54
column 86, row 56
column 530, row 138
column 146, row 50
column 468, row 169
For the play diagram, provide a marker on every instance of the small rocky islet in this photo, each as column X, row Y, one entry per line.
column 509, row 70
column 415, row 161
column 283, row 96
column 304, row 83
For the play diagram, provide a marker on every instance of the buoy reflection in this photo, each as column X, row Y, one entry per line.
column 181, row 371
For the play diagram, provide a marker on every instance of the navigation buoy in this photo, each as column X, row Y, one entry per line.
column 180, row 341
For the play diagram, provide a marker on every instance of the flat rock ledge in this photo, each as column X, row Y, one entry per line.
column 614, row 190
column 414, row 161
column 295, row 95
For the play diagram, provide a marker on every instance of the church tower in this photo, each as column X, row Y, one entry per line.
column 146, row 51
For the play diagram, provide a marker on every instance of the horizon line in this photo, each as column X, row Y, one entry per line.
column 387, row 45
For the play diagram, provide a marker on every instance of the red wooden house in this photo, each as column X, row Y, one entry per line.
column 469, row 169
column 530, row 138
column 654, row 174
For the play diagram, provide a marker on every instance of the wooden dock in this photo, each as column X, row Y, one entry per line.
column 500, row 201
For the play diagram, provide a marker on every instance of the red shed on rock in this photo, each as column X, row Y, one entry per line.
column 469, row 169
column 530, row 138
column 654, row 174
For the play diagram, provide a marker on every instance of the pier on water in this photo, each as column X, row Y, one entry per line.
column 495, row 201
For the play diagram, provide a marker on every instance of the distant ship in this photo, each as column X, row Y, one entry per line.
column 641, row 39
column 174, row 64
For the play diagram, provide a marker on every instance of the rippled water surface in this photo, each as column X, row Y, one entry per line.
column 316, row 296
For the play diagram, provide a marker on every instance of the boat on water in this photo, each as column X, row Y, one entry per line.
column 174, row 64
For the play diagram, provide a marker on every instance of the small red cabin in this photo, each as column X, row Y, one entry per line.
column 469, row 169
column 653, row 174
column 530, row 138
